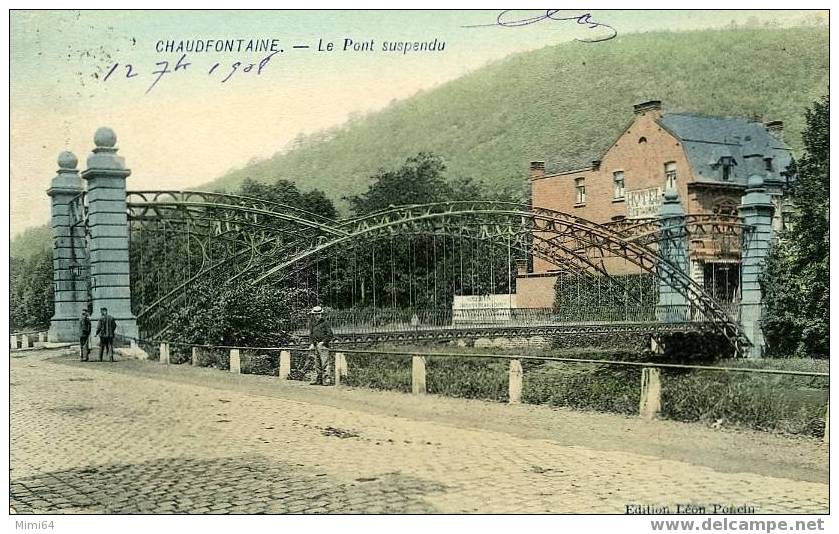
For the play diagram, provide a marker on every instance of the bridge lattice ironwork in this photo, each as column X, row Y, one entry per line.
column 241, row 239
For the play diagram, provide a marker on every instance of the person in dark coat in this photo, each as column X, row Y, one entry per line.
column 84, row 335
column 320, row 334
column 105, row 330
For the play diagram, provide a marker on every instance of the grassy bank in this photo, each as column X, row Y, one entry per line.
column 777, row 403
column 774, row 403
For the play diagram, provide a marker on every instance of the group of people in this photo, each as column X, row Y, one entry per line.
column 105, row 330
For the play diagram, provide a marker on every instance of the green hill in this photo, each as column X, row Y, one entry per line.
column 564, row 103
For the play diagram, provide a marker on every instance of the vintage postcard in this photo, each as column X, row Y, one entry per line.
column 333, row 262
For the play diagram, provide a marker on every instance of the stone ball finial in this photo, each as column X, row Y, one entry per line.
column 67, row 160
column 105, row 138
column 671, row 194
column 755, row 181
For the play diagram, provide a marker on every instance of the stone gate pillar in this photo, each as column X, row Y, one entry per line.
column 672, row 306
column 108, row 227
column 68, row 257
column 756, row 210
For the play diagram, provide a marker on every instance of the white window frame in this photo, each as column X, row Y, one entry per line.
column 615, row 176
column 579, row 191
column 670, row 175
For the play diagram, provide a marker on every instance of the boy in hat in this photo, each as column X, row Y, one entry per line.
column 84, row 335
column 320, row 334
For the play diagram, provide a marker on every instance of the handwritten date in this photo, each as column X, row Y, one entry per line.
column 166, row 68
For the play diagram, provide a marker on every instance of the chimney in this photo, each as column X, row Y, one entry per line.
column 595, row 164
column 537, row 169
column 644, row 107
column 776, row 128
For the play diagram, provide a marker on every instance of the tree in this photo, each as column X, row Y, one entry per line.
column 286, row 192
column 419, row 181
column 421, row 270
column 238, row 314
column 31, row 291
column 796, row 281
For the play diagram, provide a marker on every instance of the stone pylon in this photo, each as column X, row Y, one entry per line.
column 69, row 268
column 108, row 227
column 756, row 210
column 672, row 306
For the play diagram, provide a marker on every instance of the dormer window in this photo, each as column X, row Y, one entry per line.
column 670, row 175
column 727, row 163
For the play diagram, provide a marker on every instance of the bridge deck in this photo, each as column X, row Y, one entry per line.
column 367, row 334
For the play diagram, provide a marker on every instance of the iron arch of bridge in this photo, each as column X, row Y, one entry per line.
column 565, row 240
column 559, row 236
column 258, row 255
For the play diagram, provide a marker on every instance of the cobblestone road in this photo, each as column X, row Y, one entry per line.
column 114, row 438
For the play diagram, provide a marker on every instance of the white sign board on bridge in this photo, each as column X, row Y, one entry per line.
column 482, row 309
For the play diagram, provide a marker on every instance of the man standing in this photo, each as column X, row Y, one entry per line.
column 320, row 334
column 105, row 330
column 84, row 335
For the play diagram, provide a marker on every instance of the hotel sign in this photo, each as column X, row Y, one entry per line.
column 643, row 203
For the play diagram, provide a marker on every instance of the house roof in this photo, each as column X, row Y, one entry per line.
column 707, row 140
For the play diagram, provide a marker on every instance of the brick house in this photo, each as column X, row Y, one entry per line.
column 706, row 159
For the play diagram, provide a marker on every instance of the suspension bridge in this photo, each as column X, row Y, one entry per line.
column 402, row 273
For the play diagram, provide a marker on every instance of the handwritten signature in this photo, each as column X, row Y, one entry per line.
column 509, row 19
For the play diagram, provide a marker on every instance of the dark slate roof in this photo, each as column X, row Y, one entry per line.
column 707, row 139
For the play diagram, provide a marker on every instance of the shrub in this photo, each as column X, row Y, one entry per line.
column 260, row 364
column 468, row 377
column 378, row 371
column 781, row 403
column 583, row 386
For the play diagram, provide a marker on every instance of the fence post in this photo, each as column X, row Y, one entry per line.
column 164, row 353
column 827, row 424
column 194, row 359
column 285, row 364
column 42, row 337
column 24, row 341
column 13, row 342
column 338, row 373
column 235, row 361
column 650, row 392
column 418, row 375
column 516, row 381
column 341, row 369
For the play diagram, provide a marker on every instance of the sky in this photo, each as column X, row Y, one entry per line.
column 215, row 114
